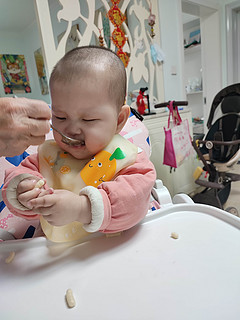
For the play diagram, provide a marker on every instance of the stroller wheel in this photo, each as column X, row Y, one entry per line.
column 233, row 211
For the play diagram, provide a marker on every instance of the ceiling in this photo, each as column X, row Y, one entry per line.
column 188, row 18
column 16, row 15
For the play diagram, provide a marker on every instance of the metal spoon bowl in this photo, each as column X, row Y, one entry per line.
column 66, row 139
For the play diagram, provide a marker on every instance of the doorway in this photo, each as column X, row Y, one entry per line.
column 208, row 80
column 233, row 42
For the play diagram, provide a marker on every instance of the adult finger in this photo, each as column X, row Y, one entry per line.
column 36, row 127
column 36, row 109
column 12, row 146
column 11, row 149
column 21, row 119
column 35, row 141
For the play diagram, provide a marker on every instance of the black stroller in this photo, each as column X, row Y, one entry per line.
column 219, row 150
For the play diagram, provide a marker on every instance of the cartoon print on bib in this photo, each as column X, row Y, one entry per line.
column 102, row 167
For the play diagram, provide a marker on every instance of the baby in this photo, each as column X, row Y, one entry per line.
column 102, row 182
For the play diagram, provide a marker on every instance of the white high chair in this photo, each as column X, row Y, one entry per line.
column 181, row 262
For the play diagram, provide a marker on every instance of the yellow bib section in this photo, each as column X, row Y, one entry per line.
column 62, row 171
column 70, row 232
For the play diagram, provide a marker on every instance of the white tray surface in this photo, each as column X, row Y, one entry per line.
column 141, row 274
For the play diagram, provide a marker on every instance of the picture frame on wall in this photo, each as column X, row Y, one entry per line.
column 41, row 71
column 14, row 74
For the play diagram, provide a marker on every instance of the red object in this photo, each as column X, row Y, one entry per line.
column 141, row 103
column 118, row 36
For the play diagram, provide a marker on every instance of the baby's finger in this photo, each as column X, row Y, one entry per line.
column 26, row 196
column 26, row 185
column 44, row 201
column 44, row 192
column 40, row 183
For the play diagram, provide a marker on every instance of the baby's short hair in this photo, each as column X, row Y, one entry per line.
column 77, row 62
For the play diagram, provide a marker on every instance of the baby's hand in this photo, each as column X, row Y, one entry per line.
column 62, row 207
column 29, row 189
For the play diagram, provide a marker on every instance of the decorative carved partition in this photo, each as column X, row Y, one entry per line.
column 81, row 22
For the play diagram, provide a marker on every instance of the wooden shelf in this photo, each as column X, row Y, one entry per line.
column 194, row 92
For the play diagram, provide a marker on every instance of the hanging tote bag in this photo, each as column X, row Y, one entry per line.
column 178, row 145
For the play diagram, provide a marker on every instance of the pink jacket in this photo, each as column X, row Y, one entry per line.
column 117, row 205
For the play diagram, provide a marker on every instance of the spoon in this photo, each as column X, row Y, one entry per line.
column 66, row 139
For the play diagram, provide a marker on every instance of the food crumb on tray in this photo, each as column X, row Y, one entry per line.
column 174, row 235
column 70, row 298
column 10, row 258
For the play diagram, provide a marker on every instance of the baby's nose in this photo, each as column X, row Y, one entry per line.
column 74, row 129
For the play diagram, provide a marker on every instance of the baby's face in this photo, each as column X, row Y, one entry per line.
column 83, row 110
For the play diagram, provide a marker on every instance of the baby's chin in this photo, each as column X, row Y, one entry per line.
column 79, row 154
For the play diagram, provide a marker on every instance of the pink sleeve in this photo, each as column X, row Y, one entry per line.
column 27, row 166
column 126, row 199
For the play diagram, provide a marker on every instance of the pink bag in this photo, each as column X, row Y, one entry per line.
column 178, row 145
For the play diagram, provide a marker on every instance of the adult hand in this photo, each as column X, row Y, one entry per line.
column 23, row 122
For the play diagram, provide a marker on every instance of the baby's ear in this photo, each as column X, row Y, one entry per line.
column 122, row 117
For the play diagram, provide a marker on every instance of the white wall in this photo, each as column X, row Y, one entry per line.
column 171, row 43
column 25, row 42
column 224, row 38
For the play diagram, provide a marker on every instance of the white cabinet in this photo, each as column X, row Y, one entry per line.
column 179, row 180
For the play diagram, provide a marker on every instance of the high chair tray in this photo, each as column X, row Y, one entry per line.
column 144, row 273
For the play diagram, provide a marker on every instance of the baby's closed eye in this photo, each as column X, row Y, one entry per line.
column 60, row 118
column 89, row 120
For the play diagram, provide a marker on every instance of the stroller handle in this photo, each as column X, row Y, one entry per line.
column 175, row 103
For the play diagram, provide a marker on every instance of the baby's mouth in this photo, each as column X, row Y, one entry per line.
column 72, row 142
